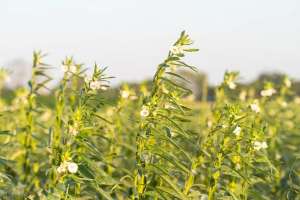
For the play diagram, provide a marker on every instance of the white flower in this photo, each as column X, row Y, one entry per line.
column 72, row 167
column 73, row 130
column 231, row 85
column 268, row 92
column 297, row 100
column 7, row 79
column 95, row 85
column 144, row 112
column 254, row 107
column 204, row 197
column 168, row 106
column 87, row 79
column 133, row 97
column 177, row 50
column 172, row 134
column 237, row 131
column 284, row 104
column 277, row 156
column 243, row 95
column 73, row 69
column 103, row 88
column 65, row 68
column 287, row 82
column 257, row 145
column 173, row 68
column 165, row 90
column 209, row 123
column 62, row 168
column 260, row 145
column 264, row 145
column 124, row 94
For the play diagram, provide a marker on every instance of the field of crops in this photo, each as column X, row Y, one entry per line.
column 150, row 143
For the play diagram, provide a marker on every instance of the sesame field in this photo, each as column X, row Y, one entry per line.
column 86, row 140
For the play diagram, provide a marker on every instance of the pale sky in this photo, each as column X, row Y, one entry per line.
column 132, row 36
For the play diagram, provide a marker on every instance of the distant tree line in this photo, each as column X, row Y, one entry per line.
column 198, row 83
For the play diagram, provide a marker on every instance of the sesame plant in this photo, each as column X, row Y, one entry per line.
column 85, row 139
column 234, row 145
column 159, row 169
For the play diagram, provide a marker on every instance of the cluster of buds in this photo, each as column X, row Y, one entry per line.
column 236, row 159
column 69, row 68
column 66, row 166
column 268, row 92
column 260, row 145
column 230, row 78
column 73, row 129
column 126, row 94
column 177, row 50
column 169, row 106
column 94, row 84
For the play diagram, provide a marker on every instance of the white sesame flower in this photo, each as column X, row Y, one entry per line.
column 173, row 68
column 254, row 107
column 209, row 123
column 104, row 88
column 268, row 92
column 204, row 197
column 65, row 68
column 72, row 167
column 257, row 145
column 264, row 145
column 73, row 130
column 165, row 90
column 62, row 168
column 177, row 50
column 284, row 104
column 124, row 94
column 168, row 106
column 7, row 79
column 243, row 95
column 194, row 172
column 297, row 100
column 237, row 131
column 133, row 97
column 144, row 112
column 95, row 85
column 260, row 145
column 287, row 82
column 87, row 79
column 172, row 134
column 231, row 85
column 277, row 156
column 238, row 166
column 73, row 69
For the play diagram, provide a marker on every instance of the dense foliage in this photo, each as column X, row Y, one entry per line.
column 150, row 143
